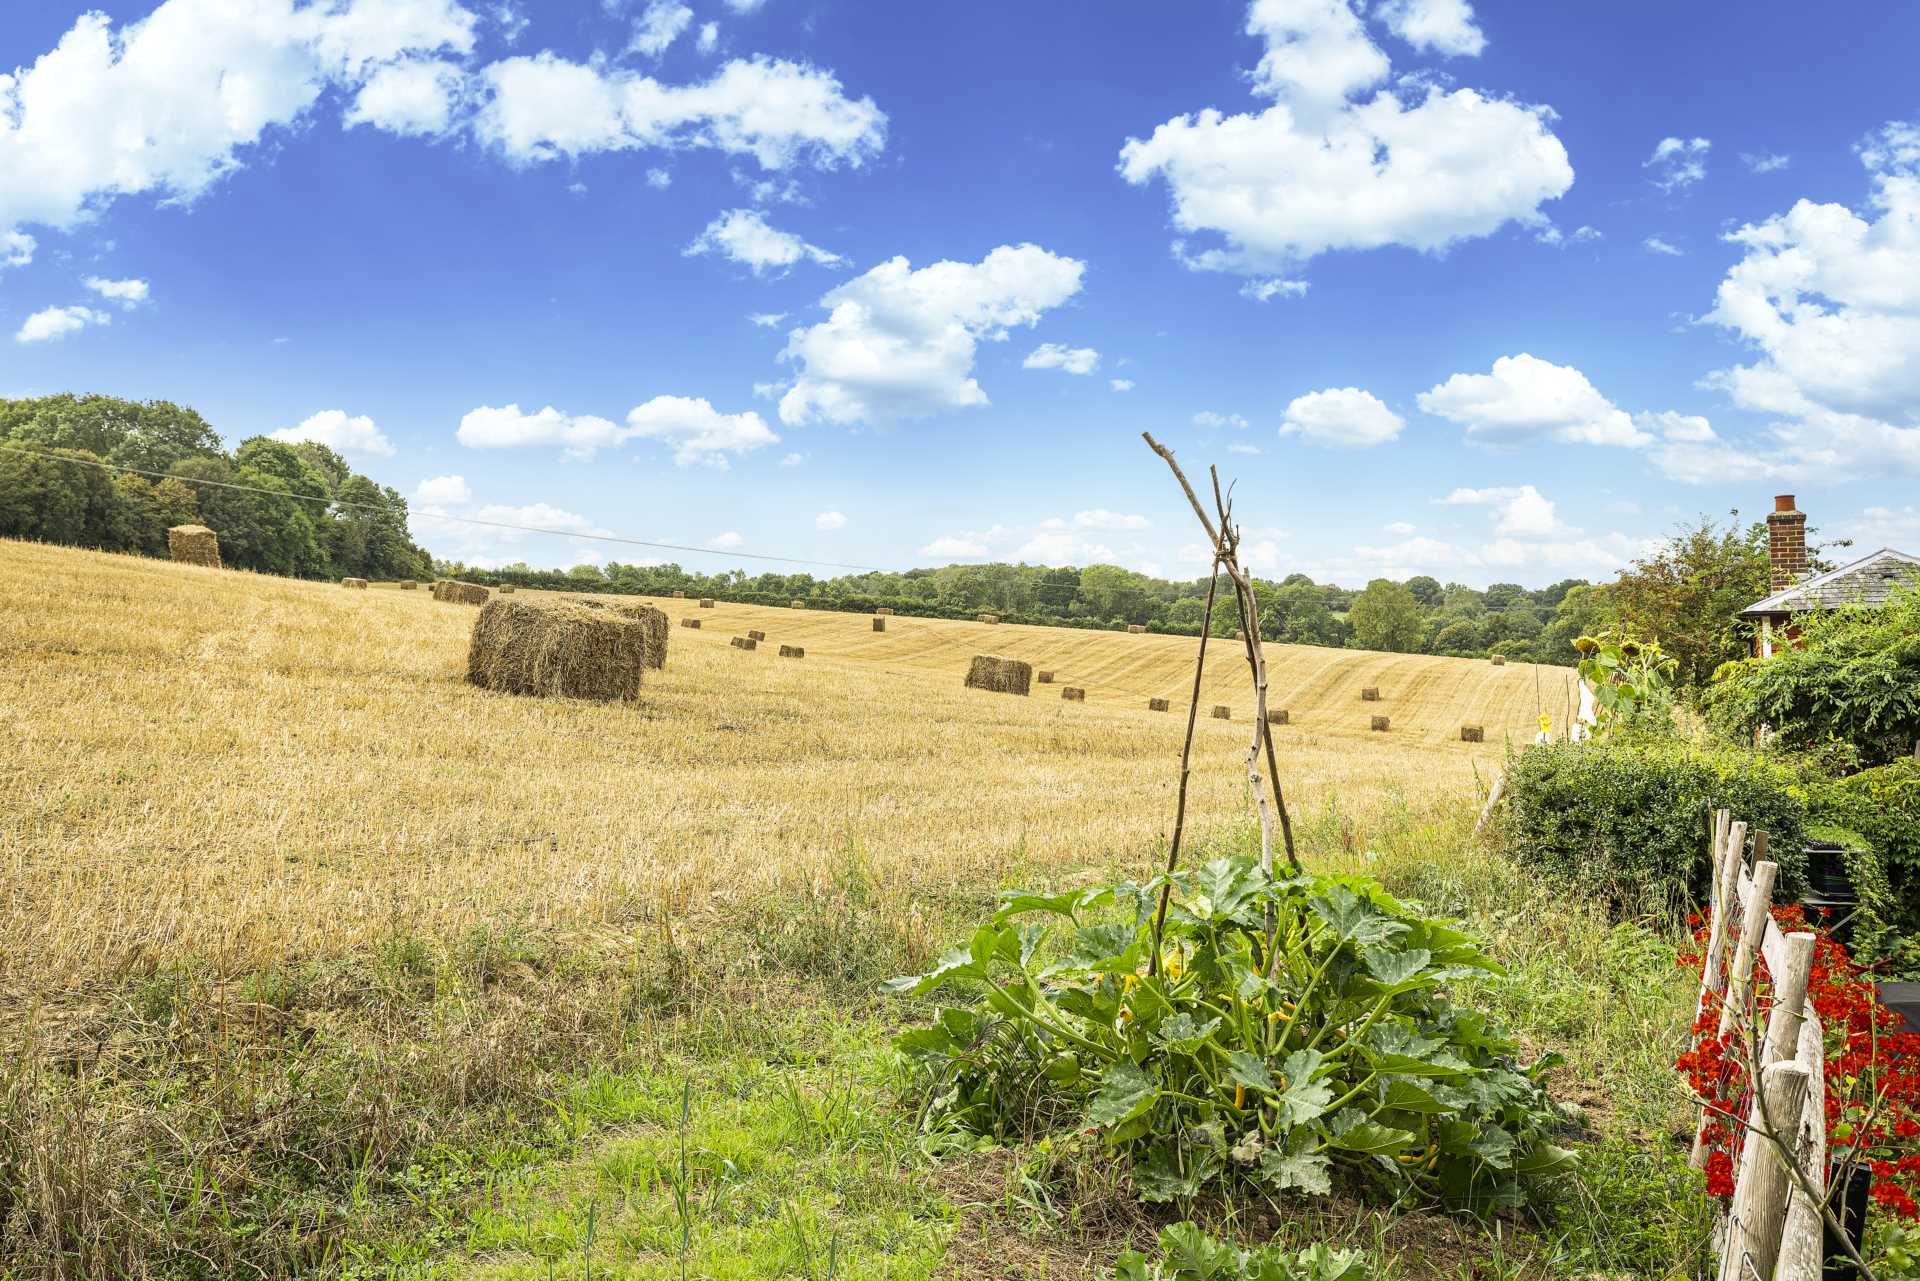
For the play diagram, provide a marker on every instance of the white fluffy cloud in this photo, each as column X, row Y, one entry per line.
column 899, row 343
column 1207, row 418
column 746, row 237
column 725, row 542
column 1053, row 355
column 767, row 319
column 1341, row 418
column 128, row 293
column 698, row 432
column 1765, row 161
column 1829, row 301
column 1120, row 384
column 170, row 103
column 1444, row 26
column 780, row 113
column 336, row 430
column 443, row 491
column 1519, row 511
column 1339, row 163
column 1666, row 248
column 658, row 26
column 16, row 248
column 507, row 427
column 57, row 322
column 414, row 97
column 830, row 520
column 1273, row 287
column 1526, row 398
column 1678, row 163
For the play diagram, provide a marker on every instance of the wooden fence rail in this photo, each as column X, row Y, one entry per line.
column 1772, row 1231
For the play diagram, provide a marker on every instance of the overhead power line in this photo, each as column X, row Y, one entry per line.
column 435, row 515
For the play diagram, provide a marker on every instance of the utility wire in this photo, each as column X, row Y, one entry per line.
column 464, row 520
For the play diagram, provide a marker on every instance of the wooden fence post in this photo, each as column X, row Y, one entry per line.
column 1759, row 1210
column 1738, row 1001
column 1789, row 999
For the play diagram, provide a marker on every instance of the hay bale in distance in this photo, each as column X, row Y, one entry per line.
column 1380, row 723
column 408, row 585
column 689, row 622
column 1073, row 694
column 1276, row 716
column 706, row 602
column 1157, row 704
column 679, row 595
column 988, row 618
column 1135, row 629
column 879, row 624
column 194, row 545
column 756, row 635
column 460, row 593
column 792, row 651
column 654, row 620
column 557, row 649
column 1221, row 712
column 1001, row 675
column 1473, row 734
column 1045, row 678
column 1499, row 660
column 884, row 611
column 359, row 584
column 745, row 642
column 1371, row 694
column 798, row 604
column 506, row 589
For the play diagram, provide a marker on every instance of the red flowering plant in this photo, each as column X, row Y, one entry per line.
column 1872, row 1074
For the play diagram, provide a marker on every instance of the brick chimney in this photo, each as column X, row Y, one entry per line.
column 1787, row 544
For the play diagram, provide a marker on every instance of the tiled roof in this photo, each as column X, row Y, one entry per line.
column 1871, row 580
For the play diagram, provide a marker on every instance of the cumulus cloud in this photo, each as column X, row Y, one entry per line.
column 1241, row 447
column 767, row 319
column 1548, row 234
column 725, row 542
column 1526, row 398
column 1053, row 355
column 899, row 343
column 968, row 544
column 830, row 520
column 1519, row 511
column 336, row 430
column 1120, row 384
column 1339, row 162
column 1655, row 245
column 1341, row 418
column 792, row 460
column 128, row 293
column 1678, row 163
column 1207, row 418
column 698, row 432
column 16, row 248
column 416, row 97
column 709, row 38
column 658, row 26
column 1765, row 161
column 57, row 322
column 1273, row 287
column 508, row 427
column 746, row 237
column 443, row 491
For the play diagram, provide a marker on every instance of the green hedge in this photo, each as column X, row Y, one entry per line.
column 1629, row 821
column 1877, row 813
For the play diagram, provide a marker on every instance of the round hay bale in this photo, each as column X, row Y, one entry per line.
column 194, row 545
column 1157, row 704
column 1045, row 678
column 408, row 585
column 1473, row 734
column 745, row 642
column 1238, row 634
column 1135, row 629
column 1499, row 660
column 756, row 635
column 1073, row 694
column 706, row 602
column 655, row 621
column 505, row 589
column 884, row 610
column 557, row 649
column 1000, row 675
column 879, row 624
column 1381, row 724
column 1276, row 716
column 988, row 618
column 690, row 622
column 1221, row 712
column 1371, row 694
column 792, row 651
column 358, row 584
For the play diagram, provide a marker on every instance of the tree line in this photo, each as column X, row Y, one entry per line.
column 300, row 510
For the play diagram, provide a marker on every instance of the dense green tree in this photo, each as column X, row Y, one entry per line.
column 1687, row 594
column 1426, row 590
column 1386, row 617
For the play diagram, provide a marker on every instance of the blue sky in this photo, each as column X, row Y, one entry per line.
column 1491, row 292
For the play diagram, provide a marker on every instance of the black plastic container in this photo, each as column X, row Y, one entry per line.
column 1831, row 898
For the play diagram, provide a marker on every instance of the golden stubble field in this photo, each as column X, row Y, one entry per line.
column 197, row 763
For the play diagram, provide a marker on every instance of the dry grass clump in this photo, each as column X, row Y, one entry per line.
column 557, row 649
column 879, row 624
column 359, row 583
column 1001, row 675
column 745, row 642
column 1473, row 734
column 1221, row 712
column 792, row 651
column 1276, row 716
column 194, row 545
column 1371, row 694
column 1157, row 704
column 1380, row 723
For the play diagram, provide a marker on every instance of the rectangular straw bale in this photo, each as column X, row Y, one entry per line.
column 506, row 589
column 1001, row 675
column 988, row 618
column 879, row 624
column 756, row 635
column 1135, row 629
column 792, row 651
column 654, row 620
column 1499, row 660
column 408, row 585
column 798, row 604
column 690, row 622
column 359, row 584
column 463, row 593
column 706, row 602
column 1045, row 678
column 884, row 610
column 1073, row 694
column 679, row 595
column 1380, row 723
column 745, row 642
column 557, row 649
column 1276, row 716
column 194, row 545
column 1473, row 734
column 1221, row 712
column 1371, row 694
column 1157, row 704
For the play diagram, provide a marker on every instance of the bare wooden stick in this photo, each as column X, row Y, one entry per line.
column 1739, row 996
column 1186, row 757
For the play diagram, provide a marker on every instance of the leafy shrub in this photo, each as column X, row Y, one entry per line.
column 1341, row 1057
column 1877, row 814
column 1187, row 1253
column 1631, row 820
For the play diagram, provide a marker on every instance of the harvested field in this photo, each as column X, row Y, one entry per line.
column 405, row 798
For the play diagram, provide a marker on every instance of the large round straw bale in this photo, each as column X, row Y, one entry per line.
column 1001, row 675
column 194, row 545
column 690, row 622
column 1221, row 712
column 756, row 635
column 1073, row 693
column 1045, row 678
column 1157, row 704
column 359, row 584
column 884, row 610
column 745, row 642
column 1276, row 716
column 989, row 618
column 408, row 585
column 557, row 649
column 706, row 602
column 654, row 620
column 1473, row 734
column 1380, row 723
column 879, row 624
column 792, row 651
column 1499, row 660
column 1135, row 629
column 1371, row 694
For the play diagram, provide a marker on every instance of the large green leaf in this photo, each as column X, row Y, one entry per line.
column 1126, row 1092
column 1303, row 1099
column 1181, row 1035
column 1395, row 969
column 1306, row 1171
column 1245, row 1069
